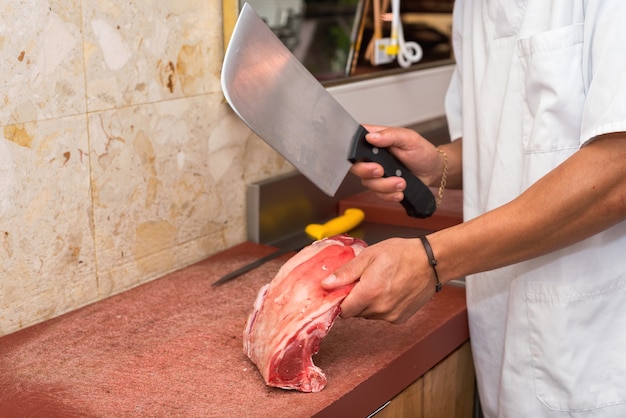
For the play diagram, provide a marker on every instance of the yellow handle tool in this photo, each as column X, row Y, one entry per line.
column 343, row 223
column 350, row 219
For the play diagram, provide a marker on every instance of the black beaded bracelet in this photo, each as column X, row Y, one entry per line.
column 432, row 261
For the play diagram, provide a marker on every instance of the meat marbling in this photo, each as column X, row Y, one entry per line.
column 293, row 313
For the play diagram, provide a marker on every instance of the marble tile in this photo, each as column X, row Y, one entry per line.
column 42, row 60
column 46, row 239
column 262, row 162
column 119, row 159
column 168, row 186
column 143, row 52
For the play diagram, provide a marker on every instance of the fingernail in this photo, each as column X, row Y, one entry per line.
column 399, row 186
column 329, row 280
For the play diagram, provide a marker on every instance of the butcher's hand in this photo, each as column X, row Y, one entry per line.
column 414, row 151
column 394, row 281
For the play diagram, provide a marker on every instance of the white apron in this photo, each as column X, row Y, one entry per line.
column 535, row 81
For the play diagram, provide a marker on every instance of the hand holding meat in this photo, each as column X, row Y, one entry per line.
column 393, row 280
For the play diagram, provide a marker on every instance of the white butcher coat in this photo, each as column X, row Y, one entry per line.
column 535, row 81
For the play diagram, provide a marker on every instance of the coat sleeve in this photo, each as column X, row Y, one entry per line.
column 604, row 68
column 454, row 94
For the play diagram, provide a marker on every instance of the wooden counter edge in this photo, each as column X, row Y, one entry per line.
column 403, row 370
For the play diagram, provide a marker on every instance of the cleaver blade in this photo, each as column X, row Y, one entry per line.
column 287, row 107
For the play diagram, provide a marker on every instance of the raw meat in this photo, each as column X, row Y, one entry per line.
column 293, row 313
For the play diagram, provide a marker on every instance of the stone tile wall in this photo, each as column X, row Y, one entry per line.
column 120, row 160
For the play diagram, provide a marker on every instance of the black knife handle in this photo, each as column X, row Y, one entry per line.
column 418, row 201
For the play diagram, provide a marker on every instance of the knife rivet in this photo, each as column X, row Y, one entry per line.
column 399, row 173
column 374, row 150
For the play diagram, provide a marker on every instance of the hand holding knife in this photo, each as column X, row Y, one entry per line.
column 289, row 109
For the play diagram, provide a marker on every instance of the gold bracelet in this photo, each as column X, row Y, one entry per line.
column 444, row 177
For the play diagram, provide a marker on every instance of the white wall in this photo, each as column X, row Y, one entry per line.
column 396, row 100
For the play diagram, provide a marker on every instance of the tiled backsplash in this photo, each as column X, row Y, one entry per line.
column 119, row 159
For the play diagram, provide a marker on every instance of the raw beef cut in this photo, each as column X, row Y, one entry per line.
column 293, row 313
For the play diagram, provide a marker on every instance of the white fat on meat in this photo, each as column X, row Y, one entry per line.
column 293, row 313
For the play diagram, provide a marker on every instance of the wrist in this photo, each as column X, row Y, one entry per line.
column 443, row 177
column 432, row 261
column 454, row 177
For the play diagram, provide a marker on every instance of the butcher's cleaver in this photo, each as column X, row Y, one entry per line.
column 277, row 97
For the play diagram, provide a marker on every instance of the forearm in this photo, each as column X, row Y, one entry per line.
column 581, row 197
